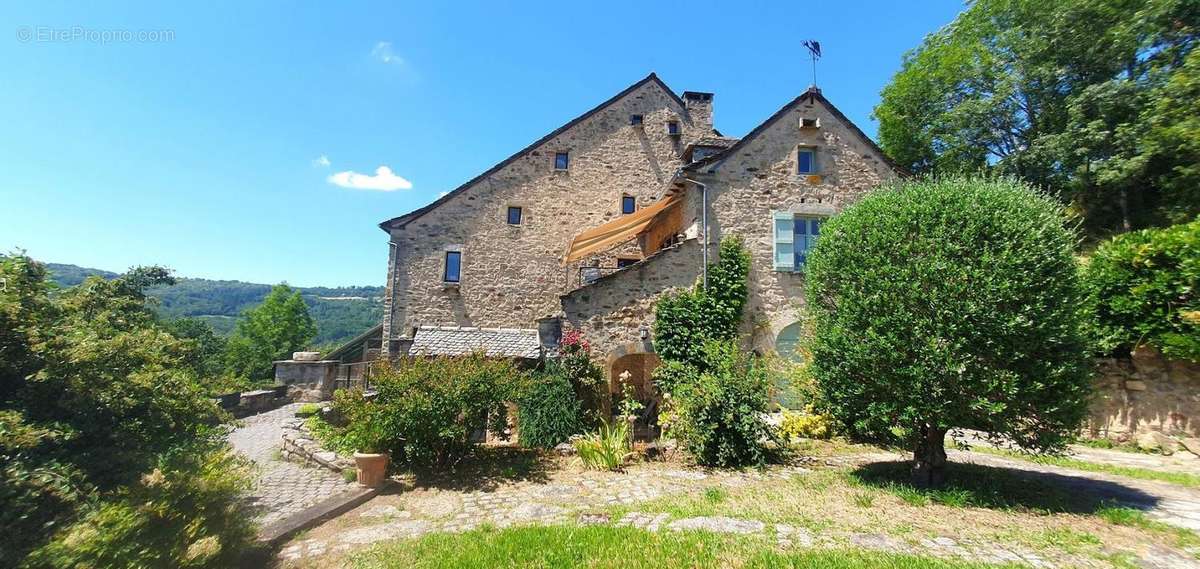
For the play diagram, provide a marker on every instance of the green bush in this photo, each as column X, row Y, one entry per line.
column 684, row 321
column 950, row 303
column 426, row 409
column 576, row 364
column 1145, row 286
column 607, row 448
column 190, row 512
column 718, row 414
column 805, row 424
column 548, row 411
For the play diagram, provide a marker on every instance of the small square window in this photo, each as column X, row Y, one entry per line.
column 806, row 161
column 628, row 204
column 672, row 128
column 514, row 215
column 808, row 122
column 561, row 160
column 453, row 269
column 635, row 120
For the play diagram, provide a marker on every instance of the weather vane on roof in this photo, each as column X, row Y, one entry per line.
column 814, row 50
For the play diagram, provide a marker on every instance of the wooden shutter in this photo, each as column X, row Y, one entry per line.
column 785, row 243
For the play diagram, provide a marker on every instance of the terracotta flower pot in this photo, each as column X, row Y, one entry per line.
column 372, row 468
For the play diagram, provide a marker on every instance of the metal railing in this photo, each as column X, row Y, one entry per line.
column 589, row 275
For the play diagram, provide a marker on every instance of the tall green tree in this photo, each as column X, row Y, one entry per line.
column 1062, row 94
column 269, row 332
column 207, row 356
column 943, row 304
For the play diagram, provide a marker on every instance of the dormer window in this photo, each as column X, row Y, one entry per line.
column 561, row 160
column 635, row 120
column 673, row 128
column 628, row 205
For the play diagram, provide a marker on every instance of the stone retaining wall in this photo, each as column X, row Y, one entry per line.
column 1145, row 394
column 301, row 447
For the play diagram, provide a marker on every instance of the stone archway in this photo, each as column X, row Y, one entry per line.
column 639, row 361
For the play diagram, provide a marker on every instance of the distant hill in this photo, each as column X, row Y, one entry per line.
column 341, row 313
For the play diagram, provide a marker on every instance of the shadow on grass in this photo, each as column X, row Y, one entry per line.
column 980, row 486
column 486, row 469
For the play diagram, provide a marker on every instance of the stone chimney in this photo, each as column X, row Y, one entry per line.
column 699, row 107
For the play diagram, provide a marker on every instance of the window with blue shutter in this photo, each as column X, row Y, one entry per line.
column 794, row 238
column 806, row 161
column 785, row 252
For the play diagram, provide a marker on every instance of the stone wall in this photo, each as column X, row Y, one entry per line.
column 1144, row 394
column 613, row 311
column 299, row 446
column 512, row 275
column 307, row 380
column 762, row 177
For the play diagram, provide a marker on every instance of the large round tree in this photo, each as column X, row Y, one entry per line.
column 950, row 303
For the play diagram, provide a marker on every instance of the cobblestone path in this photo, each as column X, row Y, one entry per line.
column 282, row 488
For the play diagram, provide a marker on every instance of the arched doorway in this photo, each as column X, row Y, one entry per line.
column 637, row 368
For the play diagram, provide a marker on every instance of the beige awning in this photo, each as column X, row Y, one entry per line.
column 618, row 230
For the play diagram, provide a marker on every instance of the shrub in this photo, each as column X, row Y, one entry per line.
column 576, row 364
column 950, row 303
column 308, row 410
column 1145, row 286
column 426, row 409
column 548, row 411
column 188, row 512
column 806, row 424
column 718, row 413
column 684, row 321
column 606, row 448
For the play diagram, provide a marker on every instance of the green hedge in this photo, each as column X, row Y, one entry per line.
column 1145, row 286
column 548, row 412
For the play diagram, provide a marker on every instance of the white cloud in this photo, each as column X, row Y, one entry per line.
column 383, row 52
column 384, row 180
column 321, row 161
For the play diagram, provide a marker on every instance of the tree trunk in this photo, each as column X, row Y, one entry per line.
column 1123, row 202
column 929, row 458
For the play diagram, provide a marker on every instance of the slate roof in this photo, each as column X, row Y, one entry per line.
column 719, row 141
column 458, row 341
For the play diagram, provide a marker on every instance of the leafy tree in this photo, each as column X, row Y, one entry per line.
column 1146, row 289
column 207, row 356
column 97, row 403
column 952, row 303
column 1064, row 95
column 269, row 332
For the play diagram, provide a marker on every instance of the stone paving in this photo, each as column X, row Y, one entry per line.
column 586, row 497
column 282, row 488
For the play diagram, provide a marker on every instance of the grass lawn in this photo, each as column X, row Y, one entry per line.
column 612, row 547
column 1180, row 478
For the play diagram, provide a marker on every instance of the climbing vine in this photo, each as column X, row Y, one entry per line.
column 686, row 320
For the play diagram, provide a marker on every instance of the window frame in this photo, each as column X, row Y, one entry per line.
column 673, row 128
column 632, row 200
column 812, row 160
column 637, row 120
column 566, row 161
column 446, row 266
column 788, row 245
column 520, row 215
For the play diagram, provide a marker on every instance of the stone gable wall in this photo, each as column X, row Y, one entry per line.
column 760, row 178
column 612, row 311
column 512, row 275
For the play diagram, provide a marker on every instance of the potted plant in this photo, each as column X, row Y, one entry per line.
column 370, row 458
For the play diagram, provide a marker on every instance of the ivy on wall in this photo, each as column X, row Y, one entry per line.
column 684, row 321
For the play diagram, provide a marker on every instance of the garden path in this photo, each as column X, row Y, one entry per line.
column 281, row 488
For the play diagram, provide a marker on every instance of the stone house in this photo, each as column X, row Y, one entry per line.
column 589, row 225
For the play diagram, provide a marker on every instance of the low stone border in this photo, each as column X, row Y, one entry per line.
column 323, row 511
column 301, row 447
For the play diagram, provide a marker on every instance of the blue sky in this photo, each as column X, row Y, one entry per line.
column 198, row 144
